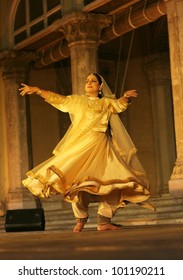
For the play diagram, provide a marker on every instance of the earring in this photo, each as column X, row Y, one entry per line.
column 100, row 92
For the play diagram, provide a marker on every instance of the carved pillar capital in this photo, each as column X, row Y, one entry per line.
column 157, row 68
column 82, row 31
column 79, row 26
column 14, row 62
column 23, row 56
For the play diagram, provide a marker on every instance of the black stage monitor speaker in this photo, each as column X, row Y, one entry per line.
column 25, row 220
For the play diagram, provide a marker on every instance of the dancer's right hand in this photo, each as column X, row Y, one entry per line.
column 25, row 89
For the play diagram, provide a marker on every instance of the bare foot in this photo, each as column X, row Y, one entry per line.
column 78, row 227
column 108, row 227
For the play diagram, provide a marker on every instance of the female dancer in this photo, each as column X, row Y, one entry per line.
column 96, row 159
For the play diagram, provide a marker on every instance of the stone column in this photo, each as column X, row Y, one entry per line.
column 158, row 71
column 175, row 23
column 82, row 31
column 14, row 149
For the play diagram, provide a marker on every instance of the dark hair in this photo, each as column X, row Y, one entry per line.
column 98, row 78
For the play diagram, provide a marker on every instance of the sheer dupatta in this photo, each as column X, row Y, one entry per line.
column 122, row 141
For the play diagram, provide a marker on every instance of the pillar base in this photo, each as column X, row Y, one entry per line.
column 176, row 187
column 20, row 198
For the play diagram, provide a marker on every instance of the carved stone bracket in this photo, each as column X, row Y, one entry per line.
column 82, row 26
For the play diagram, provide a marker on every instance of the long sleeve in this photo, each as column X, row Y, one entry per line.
column 117, row 106
column 61, row 102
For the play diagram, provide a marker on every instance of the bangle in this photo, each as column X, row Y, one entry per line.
column 39, row 92
column 126, row 96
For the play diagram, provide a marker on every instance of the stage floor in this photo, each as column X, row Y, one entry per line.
column 163, row 242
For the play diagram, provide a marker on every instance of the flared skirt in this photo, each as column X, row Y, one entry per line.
column 92, row 165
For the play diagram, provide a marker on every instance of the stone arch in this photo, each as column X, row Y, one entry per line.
column 9, row 16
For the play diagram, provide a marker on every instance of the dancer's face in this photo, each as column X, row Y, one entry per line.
column 92, row 86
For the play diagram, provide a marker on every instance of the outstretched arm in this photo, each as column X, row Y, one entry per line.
column 25, row 89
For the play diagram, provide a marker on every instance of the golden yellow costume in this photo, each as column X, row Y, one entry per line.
column 89, row 162
column 95, row 161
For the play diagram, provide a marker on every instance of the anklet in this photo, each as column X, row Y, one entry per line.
column 103, row 220
column 82, row 220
